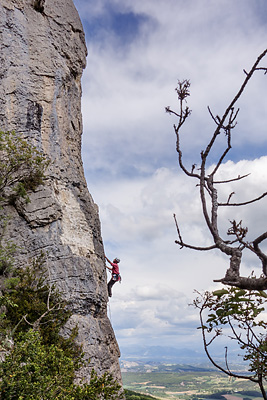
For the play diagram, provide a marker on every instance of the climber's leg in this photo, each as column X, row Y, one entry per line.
column 110, row 284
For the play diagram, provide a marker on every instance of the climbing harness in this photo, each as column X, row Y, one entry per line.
column 116, row 277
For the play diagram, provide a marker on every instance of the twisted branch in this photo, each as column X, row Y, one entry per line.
column 206, row 183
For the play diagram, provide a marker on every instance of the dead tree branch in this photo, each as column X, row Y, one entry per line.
column 208, row 186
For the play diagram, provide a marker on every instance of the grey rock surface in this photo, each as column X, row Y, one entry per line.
column 43, row 54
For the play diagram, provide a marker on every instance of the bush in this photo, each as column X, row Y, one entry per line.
column 42, row 364
column 131, row 395
column 35, row 371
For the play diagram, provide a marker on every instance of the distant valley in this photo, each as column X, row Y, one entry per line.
column 187, row 382
column 174, row 374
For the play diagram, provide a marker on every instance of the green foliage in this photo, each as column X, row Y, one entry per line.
column 22, row 167
column 238, row 314
column 239, row 305
column 7, row 248
column 37, row 303
column 32, row 370
column 35, row 371
column 41, row 363
column 103, row 387
column 130, row 395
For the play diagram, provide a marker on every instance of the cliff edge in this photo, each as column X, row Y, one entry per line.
column 43, row 54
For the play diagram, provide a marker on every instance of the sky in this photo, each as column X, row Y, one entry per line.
column 137, row 50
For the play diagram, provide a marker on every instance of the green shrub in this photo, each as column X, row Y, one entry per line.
column 36, row 371
column 22, row 167
column 41, row 364
column 131, row 395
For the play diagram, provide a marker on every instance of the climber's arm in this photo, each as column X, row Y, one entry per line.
column 108, row 261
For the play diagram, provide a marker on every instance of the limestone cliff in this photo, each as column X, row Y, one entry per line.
column 43, row 54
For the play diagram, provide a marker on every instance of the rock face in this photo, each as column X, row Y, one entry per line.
column 42, row 57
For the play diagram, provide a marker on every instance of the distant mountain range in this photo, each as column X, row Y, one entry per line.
column 172, row 355
column 162, row 354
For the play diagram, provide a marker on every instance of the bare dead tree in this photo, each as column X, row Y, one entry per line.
column 208, row 188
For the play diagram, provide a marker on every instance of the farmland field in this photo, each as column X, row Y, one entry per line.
column 190, row 385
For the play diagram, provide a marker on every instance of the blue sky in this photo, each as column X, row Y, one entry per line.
column 137, row 49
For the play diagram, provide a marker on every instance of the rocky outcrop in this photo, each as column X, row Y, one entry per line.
column 43, row 54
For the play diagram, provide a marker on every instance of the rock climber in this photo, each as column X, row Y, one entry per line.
column 115, row 274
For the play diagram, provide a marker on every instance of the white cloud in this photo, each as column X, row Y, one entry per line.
column 153, row 313
column 125, row 95
column 129, row 148
column 159, row 278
